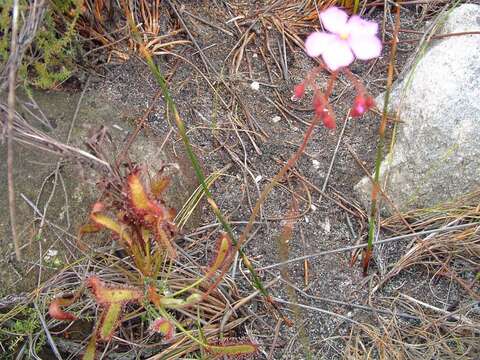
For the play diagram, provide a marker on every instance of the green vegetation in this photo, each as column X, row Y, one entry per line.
column 25, row 325
column 49, row 60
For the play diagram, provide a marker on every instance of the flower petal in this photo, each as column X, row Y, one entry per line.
column 338, row 55
column 358, row 26
column 365, row 47
column 334, row 20
column 317, row 42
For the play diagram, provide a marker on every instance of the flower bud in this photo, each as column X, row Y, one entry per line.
column 361, row 105
column 329, row 121
column 318, row 104
column 369, row 102
column 298, row 91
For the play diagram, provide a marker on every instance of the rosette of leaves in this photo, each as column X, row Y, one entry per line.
column 141, row 223
column 182, row 304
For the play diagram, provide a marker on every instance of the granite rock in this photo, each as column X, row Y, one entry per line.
column 436, row 157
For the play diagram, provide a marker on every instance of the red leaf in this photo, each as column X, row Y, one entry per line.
column 56, row 312
column 141, row 203
column 107, row 222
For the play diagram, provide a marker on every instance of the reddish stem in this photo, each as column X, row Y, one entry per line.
column 293, row 159
column 357, row 84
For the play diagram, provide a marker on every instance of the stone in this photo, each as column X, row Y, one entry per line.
column 436, row 157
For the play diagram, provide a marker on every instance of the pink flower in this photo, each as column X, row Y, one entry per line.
column 346, row 39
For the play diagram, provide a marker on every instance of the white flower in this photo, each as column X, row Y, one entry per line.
column 51, row 253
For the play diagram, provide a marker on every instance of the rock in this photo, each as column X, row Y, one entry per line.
column 436, row 157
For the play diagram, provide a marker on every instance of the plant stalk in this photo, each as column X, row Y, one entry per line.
column 12, row 74
column 367, row 254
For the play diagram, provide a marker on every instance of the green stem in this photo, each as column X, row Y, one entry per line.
column 379, row 153
column 199, row 172
column 191, row 286
column 184, row 331
column 157, row 312
column 356, row 6
column 188, row 147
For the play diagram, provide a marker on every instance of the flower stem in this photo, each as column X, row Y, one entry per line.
column 257, row 282
column 381, row 141
column 293, row 159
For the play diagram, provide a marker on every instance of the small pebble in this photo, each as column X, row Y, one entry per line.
column 326, row 226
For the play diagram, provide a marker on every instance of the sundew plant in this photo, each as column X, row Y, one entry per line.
column 139, row 221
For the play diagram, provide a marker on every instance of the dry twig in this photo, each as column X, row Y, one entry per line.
column 12, row 72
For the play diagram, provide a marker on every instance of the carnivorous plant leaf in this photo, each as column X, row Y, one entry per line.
column 56, row 312
column 105, row 295
column 224, row 247
column 109, row 321
column 164, row 327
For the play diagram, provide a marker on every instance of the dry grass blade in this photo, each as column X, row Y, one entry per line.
column 436, row 335
column 459, row 250
column 105, row 24
column 25, row 133
column 189, row 207
column 460, row 246
column 448, row 321
column 12, row 75
column 283, row 247
column 207, row 314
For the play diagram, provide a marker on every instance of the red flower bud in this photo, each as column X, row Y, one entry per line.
column 369, row 102
column 319, row 105
column 329, row 121
column 299, row 91
column 361, row 105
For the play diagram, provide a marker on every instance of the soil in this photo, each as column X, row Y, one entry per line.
column 255, row 147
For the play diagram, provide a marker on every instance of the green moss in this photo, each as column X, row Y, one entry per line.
column 50, row 58
column 23, row 327
column 4, row 30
